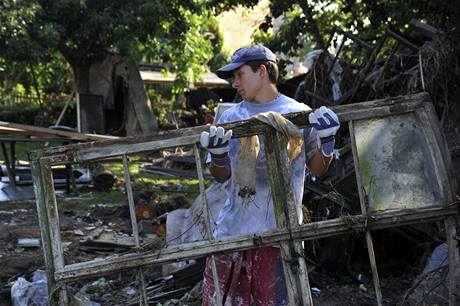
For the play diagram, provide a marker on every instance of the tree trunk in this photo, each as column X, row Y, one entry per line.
column 81, row 77
column 10, row 80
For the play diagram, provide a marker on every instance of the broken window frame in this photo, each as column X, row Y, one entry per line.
column 289, row 234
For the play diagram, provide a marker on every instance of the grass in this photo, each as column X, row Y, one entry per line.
column 166, row 186
column 190, row 187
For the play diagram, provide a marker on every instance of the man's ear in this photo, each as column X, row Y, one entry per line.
column 263, row 71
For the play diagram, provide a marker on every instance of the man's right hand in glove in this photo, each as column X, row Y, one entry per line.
column 216, row 141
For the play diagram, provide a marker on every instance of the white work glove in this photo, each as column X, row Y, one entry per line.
column 216, row 142
column 326, row 123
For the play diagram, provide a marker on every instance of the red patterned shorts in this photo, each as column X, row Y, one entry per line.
column 256, row 274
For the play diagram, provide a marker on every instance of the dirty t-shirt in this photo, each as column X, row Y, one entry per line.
column 255, row 214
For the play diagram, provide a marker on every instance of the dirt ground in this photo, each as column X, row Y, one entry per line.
column 79, row 219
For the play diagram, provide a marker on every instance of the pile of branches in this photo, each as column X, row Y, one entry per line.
column 422, row 59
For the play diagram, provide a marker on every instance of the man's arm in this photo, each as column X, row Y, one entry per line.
column 326, row 123
column 220, row 173
column 319, row 164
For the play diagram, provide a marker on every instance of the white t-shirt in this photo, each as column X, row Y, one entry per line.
column 255, row 214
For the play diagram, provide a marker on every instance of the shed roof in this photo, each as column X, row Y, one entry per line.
column 209, row 79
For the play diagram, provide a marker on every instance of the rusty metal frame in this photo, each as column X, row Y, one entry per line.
column 289, row 234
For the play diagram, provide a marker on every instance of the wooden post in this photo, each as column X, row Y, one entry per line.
column 11, row 174
column 143, row 300
column 49, row 227
column 451, row 225
column 77, row 99
column 13, row 159
column 207, row 224
column 364, row 211
column 279, row 173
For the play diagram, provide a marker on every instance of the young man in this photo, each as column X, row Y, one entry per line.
column 258, row 274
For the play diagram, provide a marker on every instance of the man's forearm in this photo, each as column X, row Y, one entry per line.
column 319, row 163
column 221, row 174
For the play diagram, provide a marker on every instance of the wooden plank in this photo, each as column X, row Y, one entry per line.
column 115, row 150
column 49, row 227
column 355, row 39
column 207, row 222
column 310, row 231
column 425, row 29
column 402, row 40
column 279, row 174
column 143, row 300
column 9, row 165
column 24, row 139
column 441, row 148
column 375, row 273
column 451, row 226
column 436, row 156
column 107, row 148
column 365, row 211
column 31, row 130
column 102, row 149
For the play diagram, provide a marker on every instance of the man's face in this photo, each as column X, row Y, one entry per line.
column 247, row 82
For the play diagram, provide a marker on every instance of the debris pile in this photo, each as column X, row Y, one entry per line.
column 422, row 59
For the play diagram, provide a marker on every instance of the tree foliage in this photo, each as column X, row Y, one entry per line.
column 307, row 24
column 183, row 34
column 83, row 30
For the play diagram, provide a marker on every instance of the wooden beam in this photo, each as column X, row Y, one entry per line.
column 9, row 165
column 451, row 226
column 355, row 38
column 143, row 300
column 30, row 130
column 365, row 211
column 49, row 226
column 425, row 29
column 130, row 145
column 310, row 231
column 402, row 40
column 281, row 186
column 207, row 223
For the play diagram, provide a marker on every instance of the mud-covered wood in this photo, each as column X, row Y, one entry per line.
column 402, row 40
column 207, row 222
column 143, row 300
column 48, row 219
column 30, row 130
column 279, row 174
column 425, row 29
column 309, row 231
column 451, row 226
column 366, row 212
column 442, row 149
column 167, row 139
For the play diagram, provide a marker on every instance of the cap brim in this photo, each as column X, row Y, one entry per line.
column 226, row 72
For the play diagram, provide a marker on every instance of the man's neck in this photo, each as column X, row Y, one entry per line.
column 266, row 95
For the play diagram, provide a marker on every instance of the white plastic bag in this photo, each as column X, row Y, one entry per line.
column 24, row 293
